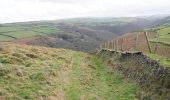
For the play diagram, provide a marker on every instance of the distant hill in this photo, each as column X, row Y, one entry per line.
column 84, row 34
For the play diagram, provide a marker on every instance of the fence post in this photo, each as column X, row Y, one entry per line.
column 157, row 40
column 116, row 45
column 147, row 40
column 100, row 46
column 136, row 42
column 105, row 45
column 108, row 44
column 112, row 45
column 122, row 44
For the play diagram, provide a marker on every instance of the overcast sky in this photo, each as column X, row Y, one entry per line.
column 29, row 10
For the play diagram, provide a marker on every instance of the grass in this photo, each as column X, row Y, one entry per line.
column 21, row 31
column 30, row 72
column 46, row 30
column 34, row 83
column 163, row 60
column 27, row 29
column 164, row 36
column 72, row 90
column 162, row 48
column 8, row 28
column 112, row 85
column 5, row 38
column 97, row 82
column 23, row 34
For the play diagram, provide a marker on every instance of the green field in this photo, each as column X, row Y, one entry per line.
column 100, row 25
column 22, row 34
column 162, row 60
column 5, row 38
column 19, row 31
column 8, row 29
column 164, row 36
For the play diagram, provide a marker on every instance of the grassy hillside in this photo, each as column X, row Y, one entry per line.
column 29, row 29
column 83, row 34
column 163, row 60
column 30, row 72
column 18, row 30
column 164, row 39
column 164, row 35
column 163, row 28
column 64, row 36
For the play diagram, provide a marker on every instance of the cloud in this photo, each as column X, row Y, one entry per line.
column 28, row 10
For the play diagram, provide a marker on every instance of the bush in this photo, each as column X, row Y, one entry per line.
column 65, row 36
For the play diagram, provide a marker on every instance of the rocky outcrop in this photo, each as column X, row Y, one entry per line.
column 149, row 74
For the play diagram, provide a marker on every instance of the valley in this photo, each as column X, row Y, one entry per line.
column 82, row 34
column 65, row 60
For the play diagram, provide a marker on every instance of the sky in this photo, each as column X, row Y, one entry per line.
column 31, row 10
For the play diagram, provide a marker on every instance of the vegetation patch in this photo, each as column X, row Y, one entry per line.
column 162, row 60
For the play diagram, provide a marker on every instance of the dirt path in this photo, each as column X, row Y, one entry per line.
column 58, row 74
column 86, row 79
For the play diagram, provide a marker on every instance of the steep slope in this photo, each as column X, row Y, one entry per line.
column 40, row 73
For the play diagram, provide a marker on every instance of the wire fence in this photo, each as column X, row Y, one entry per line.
column 138, row 42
